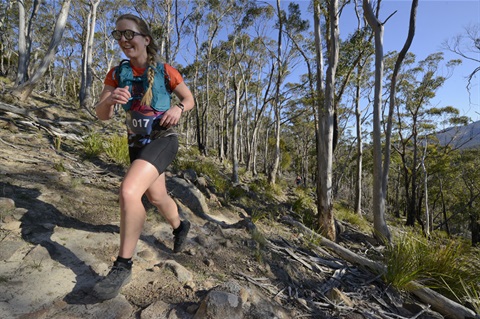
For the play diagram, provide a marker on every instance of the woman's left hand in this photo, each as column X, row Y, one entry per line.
column 171, row 117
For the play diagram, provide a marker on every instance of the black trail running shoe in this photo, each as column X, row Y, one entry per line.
column 110, row 286
column 180, row 234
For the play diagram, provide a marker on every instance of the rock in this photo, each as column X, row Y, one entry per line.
column 188, row 194
column 6, row 205
column 190, row 175
column 220, row 305
column 158, row 309
column 11, row 226
column 182, row 274
column 233, row 287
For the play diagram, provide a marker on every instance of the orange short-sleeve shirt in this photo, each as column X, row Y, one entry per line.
column 172, row 73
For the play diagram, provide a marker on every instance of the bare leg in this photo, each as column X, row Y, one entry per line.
column 140, row 176
column 157, row 194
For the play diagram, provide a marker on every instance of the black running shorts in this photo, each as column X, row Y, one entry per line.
column 160, row 152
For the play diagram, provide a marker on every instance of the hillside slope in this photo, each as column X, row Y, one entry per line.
column 461, row 137
column 59, row 234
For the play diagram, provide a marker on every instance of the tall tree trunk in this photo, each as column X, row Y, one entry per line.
column 398, row 63
column 412, row 202
column 379, row 195
column 168, row 30
column 22, row 45
column 195, row 85
column 235, row 124
column 276, row 159
column 444, row 209
column 358, row 116
column 326, row 128
column 87, row 58
column 24, row 90
column 25, row 40
column 425, row 183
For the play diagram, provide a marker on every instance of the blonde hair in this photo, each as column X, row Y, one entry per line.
column 152, row 52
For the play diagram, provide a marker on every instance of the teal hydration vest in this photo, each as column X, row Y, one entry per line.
column 138, row 85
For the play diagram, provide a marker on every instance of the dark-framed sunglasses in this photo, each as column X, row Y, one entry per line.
column 128, row 34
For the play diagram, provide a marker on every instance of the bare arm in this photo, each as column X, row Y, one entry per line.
column 172, row 116
column 108, row 98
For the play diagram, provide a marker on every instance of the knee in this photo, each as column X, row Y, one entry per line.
column 159, row 200
column 128, row 194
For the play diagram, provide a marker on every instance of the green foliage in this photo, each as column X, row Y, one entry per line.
column 343, row 213
column 93, row 145
column 116, row 148
column 59, row 167
column 452, row 267
column 237, row 192
column 305, row 207
column 286, row 161
column 204, row 167
column 257, row 215
column 471, row 295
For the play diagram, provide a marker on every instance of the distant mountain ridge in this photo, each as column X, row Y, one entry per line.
column 461, row 137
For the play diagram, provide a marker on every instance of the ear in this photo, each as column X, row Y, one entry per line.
column 147, row 40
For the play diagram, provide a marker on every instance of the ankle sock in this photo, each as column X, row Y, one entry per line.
column 179, row 228
column 125, row 262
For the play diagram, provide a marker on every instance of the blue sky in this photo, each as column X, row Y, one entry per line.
column 437, row 21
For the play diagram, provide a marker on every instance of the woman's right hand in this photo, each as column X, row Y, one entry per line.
column 120, row 95
column 108, row 98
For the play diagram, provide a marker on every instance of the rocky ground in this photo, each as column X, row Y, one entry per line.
column 59, row 235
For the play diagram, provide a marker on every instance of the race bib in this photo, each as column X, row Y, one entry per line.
column 139, row 123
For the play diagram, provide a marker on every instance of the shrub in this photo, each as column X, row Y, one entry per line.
column 116, row 148
column 92, row 145
column 450, row 267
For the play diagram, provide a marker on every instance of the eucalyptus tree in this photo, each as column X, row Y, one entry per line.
column 467, row 46
column 206, row 23
column 352, row 74
column 23, row 90
column 241, row 77
column 326, row 104
column 263, row 67
column 7, row 35
column 414, row 119
column 25, row 35
column 85, row 94
column 470, row 178
column 300, row 128
column 168, row 21
column 286, row 53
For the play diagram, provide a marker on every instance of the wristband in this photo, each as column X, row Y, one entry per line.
column 181, row 106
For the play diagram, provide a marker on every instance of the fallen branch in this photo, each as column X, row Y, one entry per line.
column 439, row 303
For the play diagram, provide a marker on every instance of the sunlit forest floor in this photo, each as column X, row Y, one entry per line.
column 59, row 232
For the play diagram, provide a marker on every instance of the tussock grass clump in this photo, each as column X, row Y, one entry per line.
column 116, row 148
column 190, row 159
column 345, row 214
column 93, row 145
column 449, row 267
column 262, row 187
column 304, row 205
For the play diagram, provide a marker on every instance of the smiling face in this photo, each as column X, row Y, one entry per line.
column 136, row 48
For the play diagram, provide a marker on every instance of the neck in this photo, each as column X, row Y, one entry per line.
column 140, row 62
